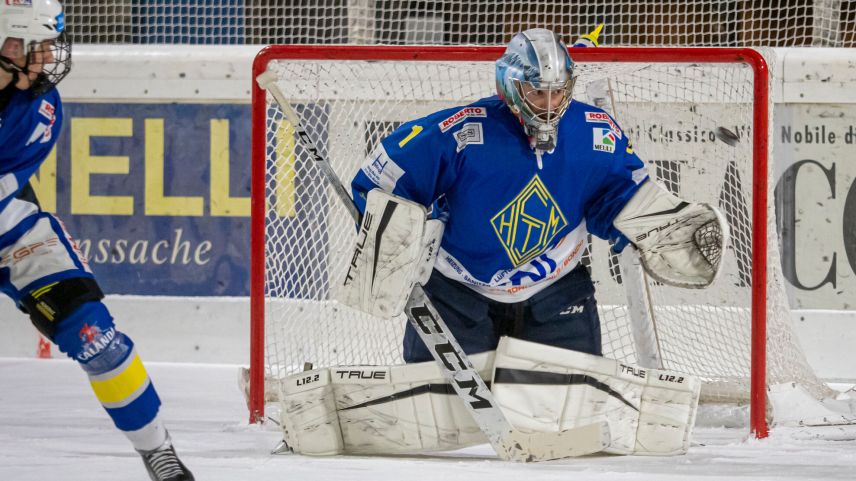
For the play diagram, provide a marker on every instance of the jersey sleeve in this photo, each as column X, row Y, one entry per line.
column 13, row 182
column 417, row 161
column 28, row 152
column 626, row 173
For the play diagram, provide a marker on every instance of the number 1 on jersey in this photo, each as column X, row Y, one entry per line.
column 414, row 132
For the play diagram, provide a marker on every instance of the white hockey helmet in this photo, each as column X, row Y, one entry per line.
column 34, row 22
column 535, row 79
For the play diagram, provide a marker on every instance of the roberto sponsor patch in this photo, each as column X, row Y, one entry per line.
column 460, row 115
column 470, row 134
column 47, row 109
column 603, row 117
column 382, row 170
column 604, row 140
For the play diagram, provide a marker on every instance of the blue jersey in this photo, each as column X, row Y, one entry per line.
column 515, row 223
column 28, row 131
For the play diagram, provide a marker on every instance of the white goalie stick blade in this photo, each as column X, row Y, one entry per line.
column 509, row 443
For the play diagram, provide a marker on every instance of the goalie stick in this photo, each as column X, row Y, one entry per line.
column 508, row 442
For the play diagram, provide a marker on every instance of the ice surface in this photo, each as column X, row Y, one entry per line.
column 53, row 429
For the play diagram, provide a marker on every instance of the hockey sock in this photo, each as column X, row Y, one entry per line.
column 115, row 371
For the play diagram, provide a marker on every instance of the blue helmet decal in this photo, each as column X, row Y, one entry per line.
column 60, row 22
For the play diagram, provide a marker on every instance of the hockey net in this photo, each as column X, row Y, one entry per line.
column 714, row 23
column 671, row 102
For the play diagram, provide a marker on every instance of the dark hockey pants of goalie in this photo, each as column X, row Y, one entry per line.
column 562, row 315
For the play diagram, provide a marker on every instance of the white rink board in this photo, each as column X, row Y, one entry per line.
column 216, row 330
column 208, row 73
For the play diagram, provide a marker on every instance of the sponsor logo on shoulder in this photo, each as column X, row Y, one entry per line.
column 44, row 132
column 460, row 115
column 470, row 134
column 382, row 170
column 603, row 117
column 47, row 109
column 604, row 140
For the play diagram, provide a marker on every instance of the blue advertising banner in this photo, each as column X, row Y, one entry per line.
column 156, row 194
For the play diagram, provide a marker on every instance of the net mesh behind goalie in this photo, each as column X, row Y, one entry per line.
column 671, row 112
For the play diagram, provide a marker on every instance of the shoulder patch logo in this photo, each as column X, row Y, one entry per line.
column 604, row 140
column 44, row 132
column 47, row 109
column 460, row 115
column 382, row 170
column 603, row 117
column 470, row 134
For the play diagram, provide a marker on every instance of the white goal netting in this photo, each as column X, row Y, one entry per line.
column 779, row 23
column 669, row 110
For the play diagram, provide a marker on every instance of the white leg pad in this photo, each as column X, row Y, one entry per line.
column 378, row 410
column 308, row 414
column 544, row 388
column 409, row 408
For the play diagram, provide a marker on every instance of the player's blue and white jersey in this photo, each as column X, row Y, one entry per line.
column 512, row 227
column 28, row 131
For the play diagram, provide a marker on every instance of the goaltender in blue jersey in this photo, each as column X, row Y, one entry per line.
column 516, row 218
column 520, row 179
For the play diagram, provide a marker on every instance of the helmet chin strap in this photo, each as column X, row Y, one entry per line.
column 9, row 67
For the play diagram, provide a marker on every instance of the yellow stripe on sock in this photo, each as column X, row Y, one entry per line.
column 122, row 385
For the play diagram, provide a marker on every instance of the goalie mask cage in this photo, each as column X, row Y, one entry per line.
column 673, row 103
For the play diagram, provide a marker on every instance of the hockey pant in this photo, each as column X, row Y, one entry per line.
column 562, row 315
column 44, row 272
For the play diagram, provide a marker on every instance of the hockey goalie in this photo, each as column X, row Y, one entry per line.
column 487, row 207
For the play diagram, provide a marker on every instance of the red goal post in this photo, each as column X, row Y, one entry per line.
column 261, row 151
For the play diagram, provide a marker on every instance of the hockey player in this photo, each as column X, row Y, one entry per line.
column 519, row 180
column 41, row 268
column 514, row 183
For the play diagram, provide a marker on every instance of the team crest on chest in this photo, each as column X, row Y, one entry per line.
column 529, row 223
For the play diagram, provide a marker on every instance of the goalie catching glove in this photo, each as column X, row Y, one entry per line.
column 680, row 243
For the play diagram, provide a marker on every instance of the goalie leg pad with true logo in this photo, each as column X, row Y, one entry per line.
column 308, row 414
column 544, row 388
column 378, row 410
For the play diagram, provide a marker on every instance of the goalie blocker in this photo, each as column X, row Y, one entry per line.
column 396, row 248
column 411, row 408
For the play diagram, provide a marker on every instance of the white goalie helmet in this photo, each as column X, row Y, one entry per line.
column 535, row 79
column 34, row 22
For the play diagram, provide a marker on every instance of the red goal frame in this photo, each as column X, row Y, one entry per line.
column 760, row 125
